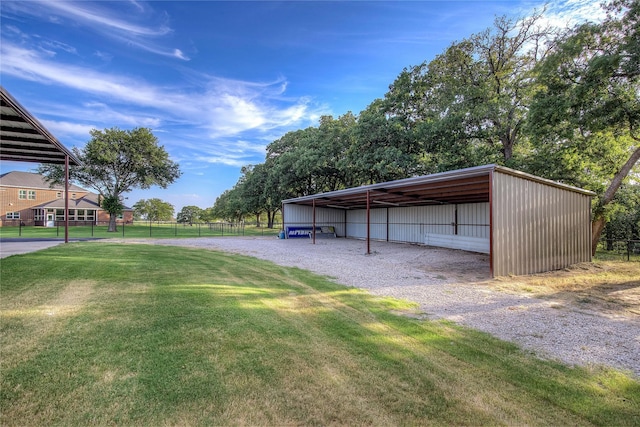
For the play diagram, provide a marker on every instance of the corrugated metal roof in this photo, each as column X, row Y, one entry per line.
column 470, row 185
column 24, row 139
column 32, row 180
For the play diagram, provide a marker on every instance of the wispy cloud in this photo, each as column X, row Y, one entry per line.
column 569, row 13
column 216, row 111
column 64, row 128
column 106, row 21
column 103, row 18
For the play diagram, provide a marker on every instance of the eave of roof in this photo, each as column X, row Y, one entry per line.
column 470, row 185
column 24, row 139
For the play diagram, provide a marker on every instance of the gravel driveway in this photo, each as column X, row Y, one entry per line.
column 453, row 285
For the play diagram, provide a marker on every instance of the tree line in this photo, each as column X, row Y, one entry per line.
column 561, row 104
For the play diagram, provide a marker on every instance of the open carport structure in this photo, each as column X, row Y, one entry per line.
column 24, row 139
column 526, row 224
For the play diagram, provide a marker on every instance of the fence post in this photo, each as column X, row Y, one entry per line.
column 149, row 228
column 20, row 229
column 123, row 227
column 176, row 229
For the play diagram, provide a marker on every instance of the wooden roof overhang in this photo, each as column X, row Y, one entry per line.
column 24, row 139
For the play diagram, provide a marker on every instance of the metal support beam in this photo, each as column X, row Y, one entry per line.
column 368, row 222
column 313, row 228
column 66, row 199
column 491, row 223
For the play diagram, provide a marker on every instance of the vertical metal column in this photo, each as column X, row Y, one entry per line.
column 387, row 224
column 368, row 222
column 313, row 227
column 491, row 222
column 66, row 199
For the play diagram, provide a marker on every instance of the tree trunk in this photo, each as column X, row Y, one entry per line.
column 596, row 230
column 270, row 218
column 598, row 220
column 112, row 223
column 258, row 220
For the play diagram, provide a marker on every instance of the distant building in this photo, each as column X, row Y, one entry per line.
column 29, row 199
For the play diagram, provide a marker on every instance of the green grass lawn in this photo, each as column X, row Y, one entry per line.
column 103, row 334
column 139, row 230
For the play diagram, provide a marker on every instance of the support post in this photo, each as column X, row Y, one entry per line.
column 368, row 222
column 66, row 199
column 313, row 227
column 491, row 252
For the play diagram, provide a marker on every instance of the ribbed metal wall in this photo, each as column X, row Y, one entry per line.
column 473, row 220
column 410, row 224
column 406, row 224
column 537, row 227
column 299, row 215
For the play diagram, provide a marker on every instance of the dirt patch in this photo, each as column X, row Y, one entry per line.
column 610, row 288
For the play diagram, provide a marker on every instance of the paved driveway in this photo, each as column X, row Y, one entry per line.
column 10, row 247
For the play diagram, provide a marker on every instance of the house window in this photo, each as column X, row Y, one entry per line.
column 73, row 196
column 13, row 215
column 32, row 194
column 59, row 194
column 59, row 214
column 80, row 215
column 22, row 194
column 91, row 215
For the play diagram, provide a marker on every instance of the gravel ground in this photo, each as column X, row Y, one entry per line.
column 453, row 285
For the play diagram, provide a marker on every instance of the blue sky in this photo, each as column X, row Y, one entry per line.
column 217, row 81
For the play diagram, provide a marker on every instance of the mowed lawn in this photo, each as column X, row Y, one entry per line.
column 97, row 334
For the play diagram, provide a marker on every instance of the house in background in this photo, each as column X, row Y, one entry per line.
column 27, row 198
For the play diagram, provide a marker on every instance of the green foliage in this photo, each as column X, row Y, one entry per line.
column 563, row 106
column 190, row 214
column 153, row 210
column 229, row 206
column 585, row 117
column 112, row 205
column 116, row 161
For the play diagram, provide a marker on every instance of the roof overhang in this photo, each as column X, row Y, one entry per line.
column 471, row 185
column 24, row 139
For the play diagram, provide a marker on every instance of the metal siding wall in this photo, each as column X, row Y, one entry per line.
column 299, row 215
column 357, row 224
column 473, row 220
column 410, row 224
column 537, row 227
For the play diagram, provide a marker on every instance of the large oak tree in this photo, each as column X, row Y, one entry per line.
column 585, row 120
column 115, row 162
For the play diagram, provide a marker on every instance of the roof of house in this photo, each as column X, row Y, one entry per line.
column 17, row 179
column 32, row 180
column 89, row 201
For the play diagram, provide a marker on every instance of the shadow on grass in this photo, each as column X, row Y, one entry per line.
column 197, row 337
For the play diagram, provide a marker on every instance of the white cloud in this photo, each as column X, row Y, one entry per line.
column 226, row 107
column 101, row 17
column 103, row 20
column 67, row 128
column 564, row 14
